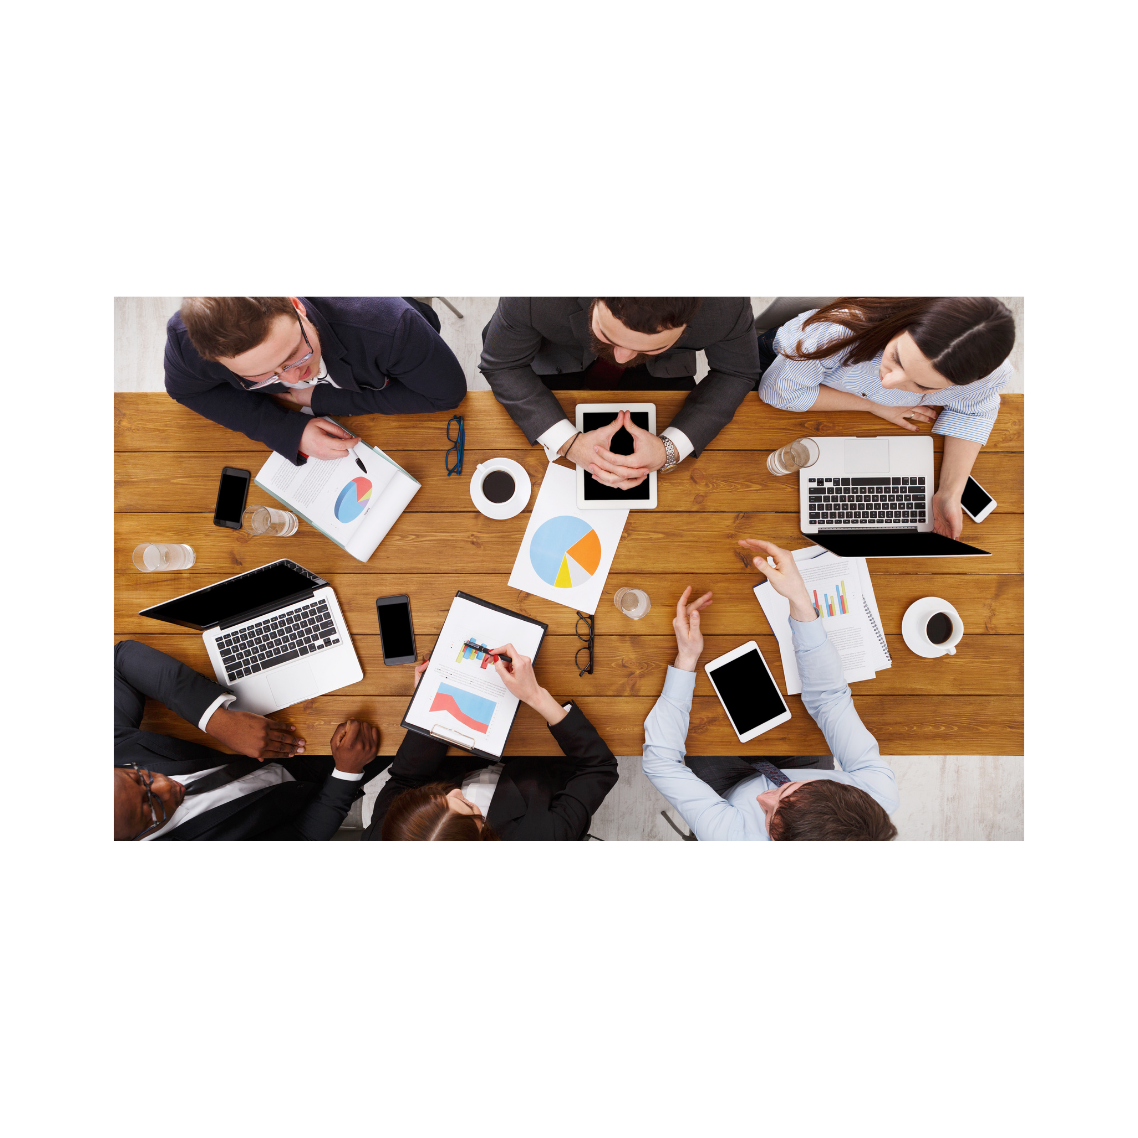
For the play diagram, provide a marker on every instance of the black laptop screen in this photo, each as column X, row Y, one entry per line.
column 886, row 544
column 230, row 599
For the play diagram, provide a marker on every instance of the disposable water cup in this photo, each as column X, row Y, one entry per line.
column 156, row 557
column 264, row 521
column 794, row 456
column 634, row 603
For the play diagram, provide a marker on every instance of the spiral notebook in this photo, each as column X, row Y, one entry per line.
column 842, row 594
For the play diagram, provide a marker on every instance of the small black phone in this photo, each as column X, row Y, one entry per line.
column 395, row 629
column 231, row 495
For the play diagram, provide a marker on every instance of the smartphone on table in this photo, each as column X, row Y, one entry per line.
column 231, row 496
column 976, row 502
column 747, row 691
column 395, row 629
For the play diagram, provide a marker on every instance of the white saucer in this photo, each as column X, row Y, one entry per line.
column 913, row 622
column 500, row 511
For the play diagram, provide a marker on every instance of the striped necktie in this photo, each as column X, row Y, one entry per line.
column 771, row 771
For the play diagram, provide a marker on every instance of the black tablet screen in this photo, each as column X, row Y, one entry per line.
column 621, row 444
column 747, row 691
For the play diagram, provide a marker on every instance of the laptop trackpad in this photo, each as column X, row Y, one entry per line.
column 291, row 685
column 867, row 456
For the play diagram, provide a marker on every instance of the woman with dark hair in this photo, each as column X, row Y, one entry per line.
column 930, row 359
column 433, row 798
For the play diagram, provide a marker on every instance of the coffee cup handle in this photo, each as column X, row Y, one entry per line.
column 950, row 652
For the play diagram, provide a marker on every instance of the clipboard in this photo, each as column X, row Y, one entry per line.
column 456, row 736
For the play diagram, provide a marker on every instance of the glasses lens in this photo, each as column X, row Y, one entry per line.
column 587, row 634
column 588, row 665
column 456, row 466
column 456, row 426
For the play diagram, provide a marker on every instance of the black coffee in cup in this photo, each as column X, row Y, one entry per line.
column 498, row 486
column 939, row 627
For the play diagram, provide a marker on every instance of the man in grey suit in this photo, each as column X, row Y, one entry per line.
column 536, row 345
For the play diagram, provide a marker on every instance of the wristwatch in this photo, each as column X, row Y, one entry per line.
column 672, row 457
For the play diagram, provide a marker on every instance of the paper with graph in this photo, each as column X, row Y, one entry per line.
column 842, row 595
column 566, row 553
column 460, row 699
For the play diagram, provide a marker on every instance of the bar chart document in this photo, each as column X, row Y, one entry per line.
column 460, row 699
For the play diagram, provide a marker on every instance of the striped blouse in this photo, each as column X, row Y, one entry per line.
column 969, row 410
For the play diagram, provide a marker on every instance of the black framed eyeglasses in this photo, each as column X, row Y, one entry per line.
column 587, row 637
column 153, row 802
column 459, row 440
column 255, row 383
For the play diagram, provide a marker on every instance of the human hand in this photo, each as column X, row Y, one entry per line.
column 948, row 518
column 421, row 668
column 253, row 735
column 322, row 439
column 900, row 416
column 648, row 454
column 354, row 745
column 297, row 397
column 520, row 681
column 784, row 576
column 689, row 638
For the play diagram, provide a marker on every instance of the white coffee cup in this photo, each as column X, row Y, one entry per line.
column 916, row 631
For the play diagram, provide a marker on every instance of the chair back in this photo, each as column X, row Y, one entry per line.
column 784, row 308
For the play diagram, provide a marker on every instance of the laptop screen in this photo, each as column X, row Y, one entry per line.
column 875, row 543
column 227, row 600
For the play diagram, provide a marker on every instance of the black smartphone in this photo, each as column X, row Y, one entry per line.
column 395, row 631
column 231, row 495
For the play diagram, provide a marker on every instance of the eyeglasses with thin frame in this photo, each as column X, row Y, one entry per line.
column 588, row 645
column 153, row 802
column 459, row 445
column 276, row 375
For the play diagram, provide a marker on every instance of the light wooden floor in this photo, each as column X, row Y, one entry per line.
column 943, row 797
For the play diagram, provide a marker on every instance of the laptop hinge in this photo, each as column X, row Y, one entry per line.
column 272, row 606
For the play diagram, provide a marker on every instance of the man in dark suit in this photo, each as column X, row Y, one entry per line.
column 535, row 345
column 168, row 789
column 538, row 799
column 227, row 356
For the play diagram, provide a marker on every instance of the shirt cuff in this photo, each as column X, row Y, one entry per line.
column 975, row 428
column 223, row 700
column 807, row 633
column 347, row 776
column 683, row 443
column 679, row 685
column 556, row 437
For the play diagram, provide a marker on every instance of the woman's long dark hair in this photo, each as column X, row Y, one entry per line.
column 422, row 815
column 964, row 337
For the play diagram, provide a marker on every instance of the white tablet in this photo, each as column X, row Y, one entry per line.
column 594, row 495
column 747, row 691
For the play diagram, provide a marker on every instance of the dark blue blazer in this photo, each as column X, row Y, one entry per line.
column 381, row 351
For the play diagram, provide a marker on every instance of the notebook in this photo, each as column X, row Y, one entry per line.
column 353, row 501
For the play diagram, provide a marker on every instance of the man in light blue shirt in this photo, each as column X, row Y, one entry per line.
column 850, row 804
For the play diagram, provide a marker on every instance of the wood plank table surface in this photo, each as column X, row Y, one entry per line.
column 168, row 461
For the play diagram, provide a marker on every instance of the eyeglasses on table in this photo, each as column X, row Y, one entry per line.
column 587, row 637
column 459, row 440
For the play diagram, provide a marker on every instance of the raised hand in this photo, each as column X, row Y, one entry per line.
column 354, row 745
column 783, row 576
column 254, row 736
column 322, row 439
column 689, row 638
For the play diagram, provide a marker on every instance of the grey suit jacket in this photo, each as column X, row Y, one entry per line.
column 532, row 336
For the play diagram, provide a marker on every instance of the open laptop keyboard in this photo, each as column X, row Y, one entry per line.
column 276, row 639
column 867, row 503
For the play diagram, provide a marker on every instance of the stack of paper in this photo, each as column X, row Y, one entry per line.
column 842, row 595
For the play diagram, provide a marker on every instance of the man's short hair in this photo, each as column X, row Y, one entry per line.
column 651, row 314
column 823, row 810
column 226, row 326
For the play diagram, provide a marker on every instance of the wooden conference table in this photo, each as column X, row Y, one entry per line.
column 168, row 461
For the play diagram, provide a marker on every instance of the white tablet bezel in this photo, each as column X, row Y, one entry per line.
column 726, row 658
column 582, row 502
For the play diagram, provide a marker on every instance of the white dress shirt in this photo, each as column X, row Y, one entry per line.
column 479, row 786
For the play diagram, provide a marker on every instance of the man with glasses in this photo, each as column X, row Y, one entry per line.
column 271, row 366
column 169, row 789
column 535, row 345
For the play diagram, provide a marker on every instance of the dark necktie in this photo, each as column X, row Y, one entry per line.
column 228, row 773
column 771, row 771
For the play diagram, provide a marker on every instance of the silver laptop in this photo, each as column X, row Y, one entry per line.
column 873, row 498
column 275, row 635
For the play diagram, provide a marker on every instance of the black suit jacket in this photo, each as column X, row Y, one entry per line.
column 380, row 350
column 310, row 809
column 539, row 799
column 531, row 336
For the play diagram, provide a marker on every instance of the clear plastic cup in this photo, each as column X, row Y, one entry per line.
column 155, row 557
column 633, row 602
column 794, row 456
column 263, row 521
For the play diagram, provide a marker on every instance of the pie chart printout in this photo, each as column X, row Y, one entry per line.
column 353, row 500
column 565, row 552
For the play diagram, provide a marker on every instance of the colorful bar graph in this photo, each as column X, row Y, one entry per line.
column 836, row 605
column 478, row 652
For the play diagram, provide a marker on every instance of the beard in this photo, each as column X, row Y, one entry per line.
column 604, row 352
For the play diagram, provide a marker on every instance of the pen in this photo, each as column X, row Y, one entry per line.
column 479, row 648
column 356, row 456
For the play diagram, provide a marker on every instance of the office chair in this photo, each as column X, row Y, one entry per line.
column 784, row 308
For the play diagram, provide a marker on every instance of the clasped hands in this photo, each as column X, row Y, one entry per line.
column 624, row 471
column 354, row 743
